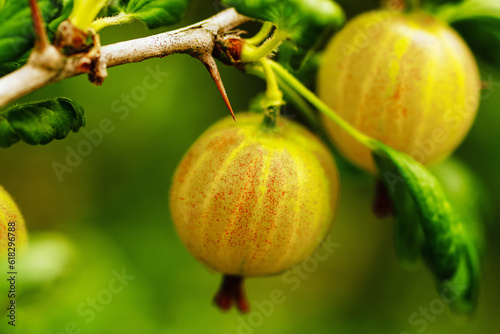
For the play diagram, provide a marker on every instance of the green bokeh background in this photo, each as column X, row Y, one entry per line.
column 110, row 214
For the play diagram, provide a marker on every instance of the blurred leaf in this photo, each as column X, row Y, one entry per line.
column 408, row 237
column 468, row 9
column 156, row 13
column 478, row 21
column 451, row 240
column 305, row 21
column 468, row 196
column 441, row 2
column 482, row 34
column 67, row 6
column 435, row 5
column 438, row 221
column 7, row 67
column 465, row 284
column 303, row 68
column 40, row 122
column 16, row 26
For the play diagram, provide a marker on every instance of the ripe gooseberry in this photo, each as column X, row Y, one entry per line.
column 251, row 201
column 407, row 80
column 13, row 239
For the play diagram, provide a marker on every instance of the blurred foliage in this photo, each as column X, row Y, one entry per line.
column 109, row 213
column 16, row 28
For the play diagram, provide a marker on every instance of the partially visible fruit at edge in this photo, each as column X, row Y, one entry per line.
column 13, row 239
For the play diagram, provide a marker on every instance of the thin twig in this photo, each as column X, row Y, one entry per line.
column 195, row 40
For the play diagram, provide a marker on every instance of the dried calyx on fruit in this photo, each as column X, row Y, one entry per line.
column 253, row 198
column 407, row 80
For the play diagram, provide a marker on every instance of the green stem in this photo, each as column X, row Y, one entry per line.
column 412, row 6
column 306, row 110
column 103, row 22
column 274, row 96
column 308, row 113
column 262, row 34
column 303, row 107
column 251, row 53
column 273, row 91
column 320, row 105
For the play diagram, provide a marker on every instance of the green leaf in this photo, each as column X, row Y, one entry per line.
column 290, row 12
column 7, row 67
column 478, row 21
column 468, row 196
column 434, row 5
column 482, row 34
column 40, row 122
column 468, row 9
column 303, row 68
column 464, row 286
column 66, row 7
column 440, row 225
column 408, row 236
column 156, row 13
column 16, row 26
column 306, row 22
column 451, row 239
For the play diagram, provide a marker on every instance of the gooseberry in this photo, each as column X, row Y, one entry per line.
column 13, row 239
column 250, row 201
column 407, row 80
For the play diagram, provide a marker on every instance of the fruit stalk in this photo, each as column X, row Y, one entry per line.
column 305, row 109
column 274, row 96
column 252, row 53
column 320, row 105
column 262, row 34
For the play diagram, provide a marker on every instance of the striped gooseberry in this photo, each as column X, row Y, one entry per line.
column 248, row 201
column 13, row 239
column 407, row 80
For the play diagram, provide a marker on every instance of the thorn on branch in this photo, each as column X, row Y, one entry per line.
column 41, row 39
column 72, row 53
column 211, row 66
